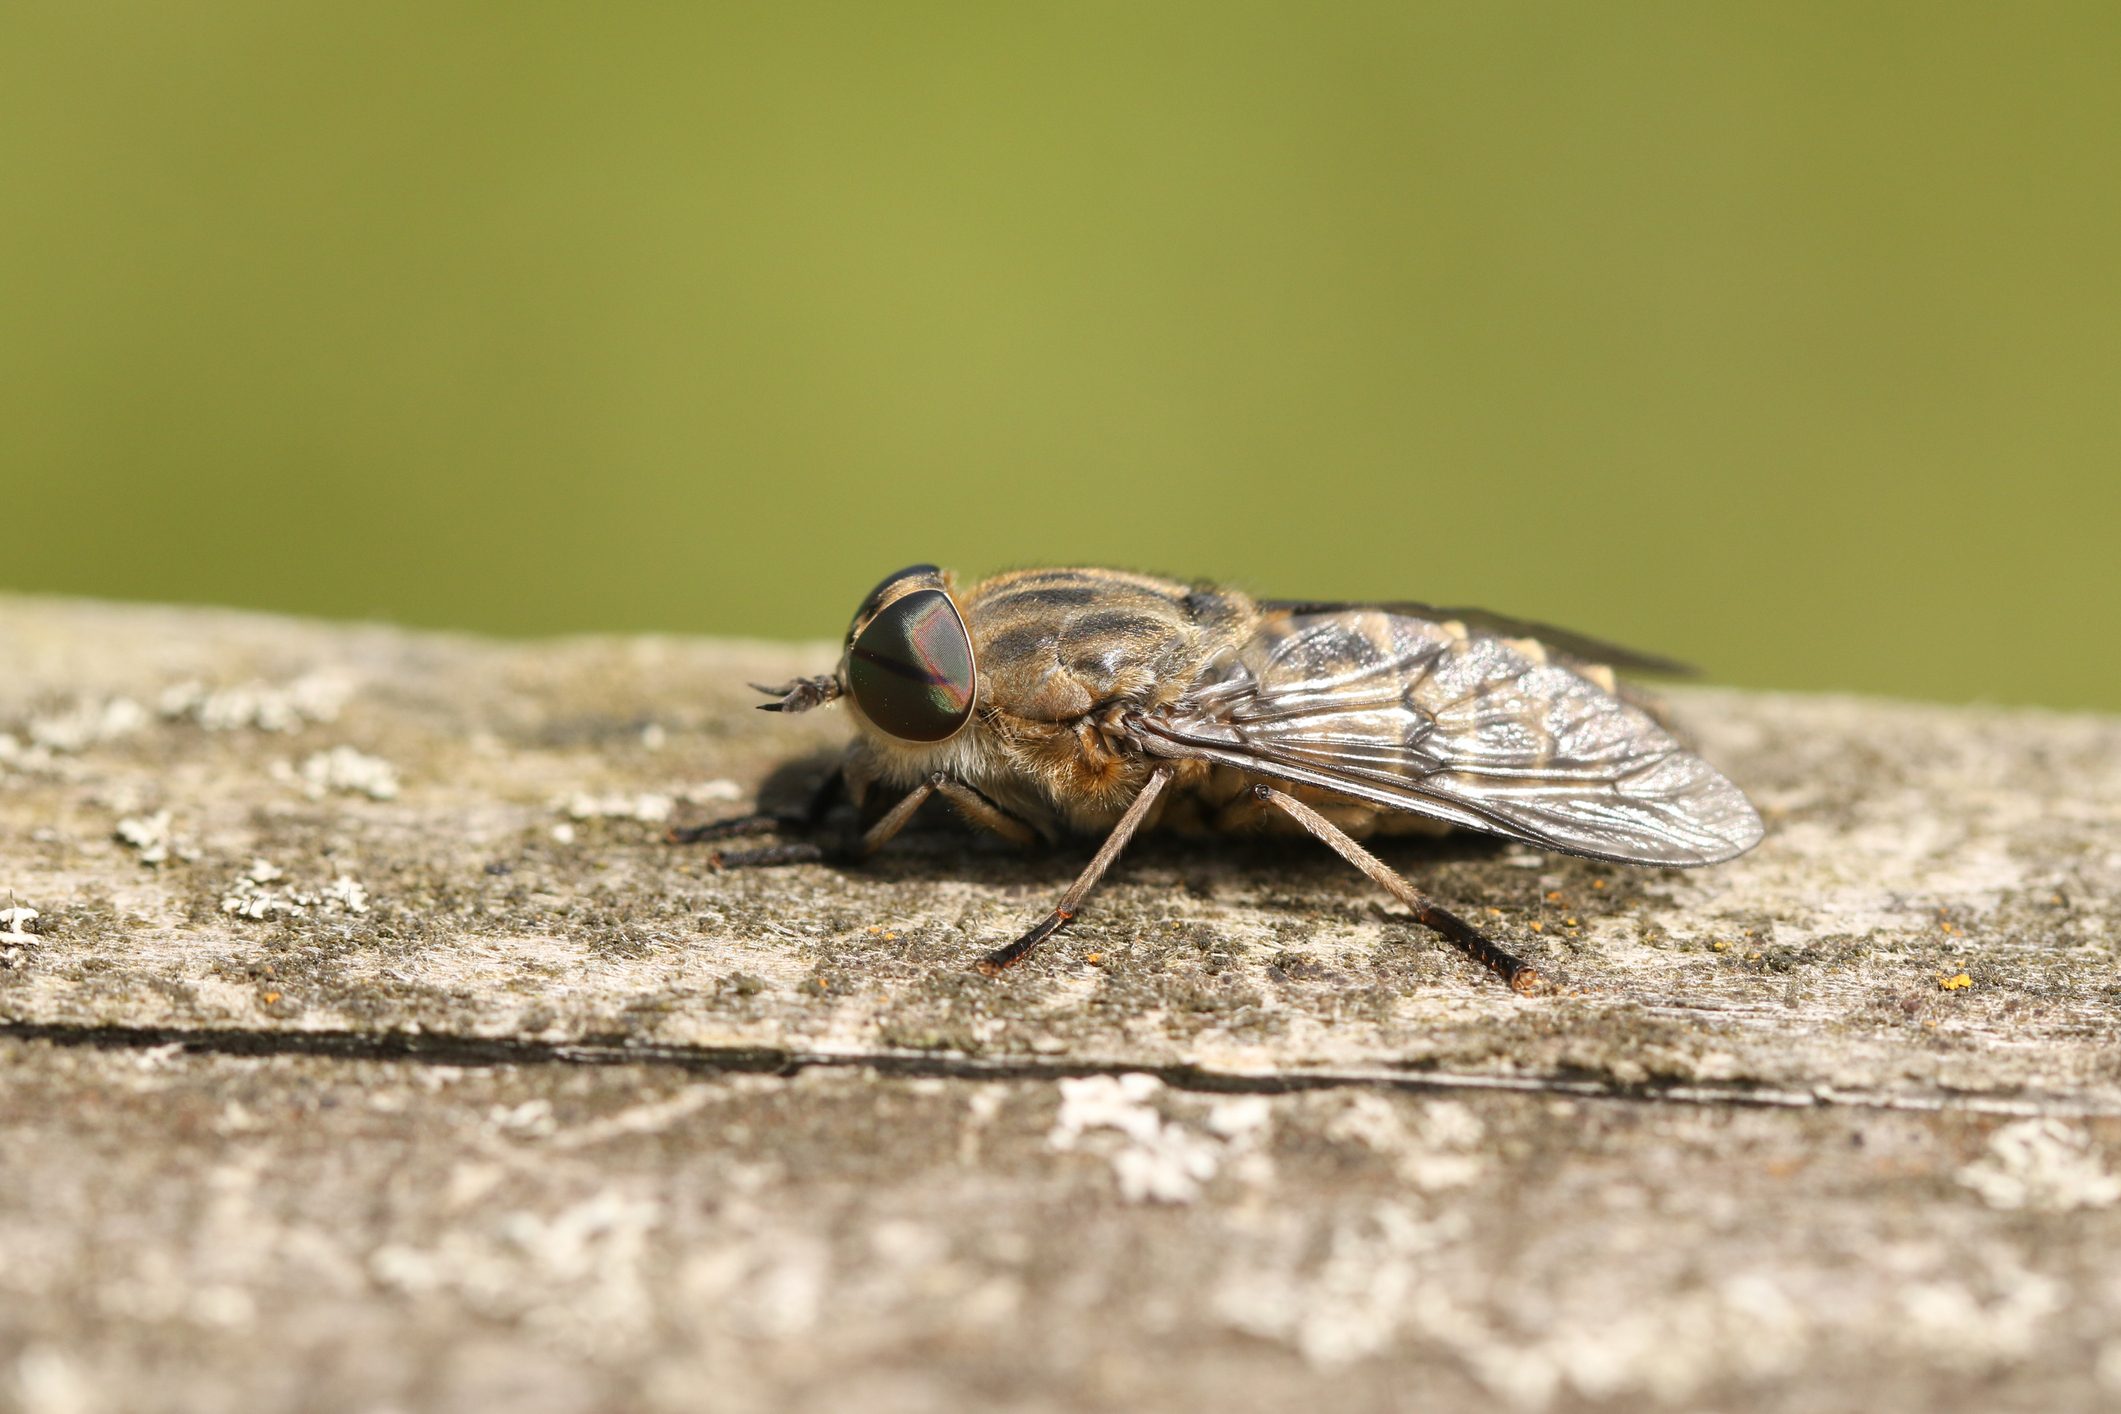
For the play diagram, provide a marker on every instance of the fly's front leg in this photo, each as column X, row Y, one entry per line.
column 816, row 852
column 1520, row 975
column 808, row 820
column 974, row 806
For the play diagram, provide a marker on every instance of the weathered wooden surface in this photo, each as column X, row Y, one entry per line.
column 370, row 1050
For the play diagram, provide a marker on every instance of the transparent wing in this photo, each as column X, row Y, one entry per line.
column 1401, row 713
column 1567, row 643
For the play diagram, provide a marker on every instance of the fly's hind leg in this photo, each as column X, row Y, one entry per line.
column 1520, row 975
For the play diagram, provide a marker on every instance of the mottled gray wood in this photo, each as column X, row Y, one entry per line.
column 526, row 1104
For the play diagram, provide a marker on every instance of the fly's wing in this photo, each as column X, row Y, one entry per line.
column 1402, row 713
column 1580, row 647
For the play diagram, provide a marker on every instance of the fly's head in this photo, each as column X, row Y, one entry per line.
column 907, row 668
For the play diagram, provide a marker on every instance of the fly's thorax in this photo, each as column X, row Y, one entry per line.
column 1064, row 653
column 1055, row 645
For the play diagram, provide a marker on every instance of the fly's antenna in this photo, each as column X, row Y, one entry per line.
column 800, row 695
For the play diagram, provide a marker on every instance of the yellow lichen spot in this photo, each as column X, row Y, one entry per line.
column 271, row 998
column 1958, row 983
column 1721, row 946
column 1095, row 959
column 1597, row 883
column 1554, row 896
column 1494, row 913
column 1950, row 929
column 890, row 937
column 1573, row 922
column 1538, row 927
column 875, row 928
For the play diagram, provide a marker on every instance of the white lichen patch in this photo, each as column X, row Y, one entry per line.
column 69, row 731
column 649, row 807
column 579, row 1275
column 261, row 892
column 2044, row 1164
column 1350, row 1304
column 1156, row 1159
column 14, row 932
column 345, row 895
column 48, row 1382
column 342, row 770
column 153, row 837
column 1433, row 1146
column 87, row 723
column 531, row 1117
column 313, row 698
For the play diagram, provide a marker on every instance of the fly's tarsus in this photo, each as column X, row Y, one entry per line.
column 765, row 856
column 1001, row 959
column 1520, row 976
column 735, row 828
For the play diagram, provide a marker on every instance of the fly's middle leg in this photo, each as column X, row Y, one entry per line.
column 994, row 963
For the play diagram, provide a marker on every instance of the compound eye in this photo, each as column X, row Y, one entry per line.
column 875, row 596
column 911, row 669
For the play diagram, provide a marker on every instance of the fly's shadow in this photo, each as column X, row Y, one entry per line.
column 790, row 787
column 801, row 801
column 937, row 845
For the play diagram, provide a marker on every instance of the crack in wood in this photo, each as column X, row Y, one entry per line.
column 442, row 1049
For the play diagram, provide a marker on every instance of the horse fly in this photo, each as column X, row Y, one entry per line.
column 1069, row 701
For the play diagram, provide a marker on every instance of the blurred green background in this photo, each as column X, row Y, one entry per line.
column 1784, row 337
